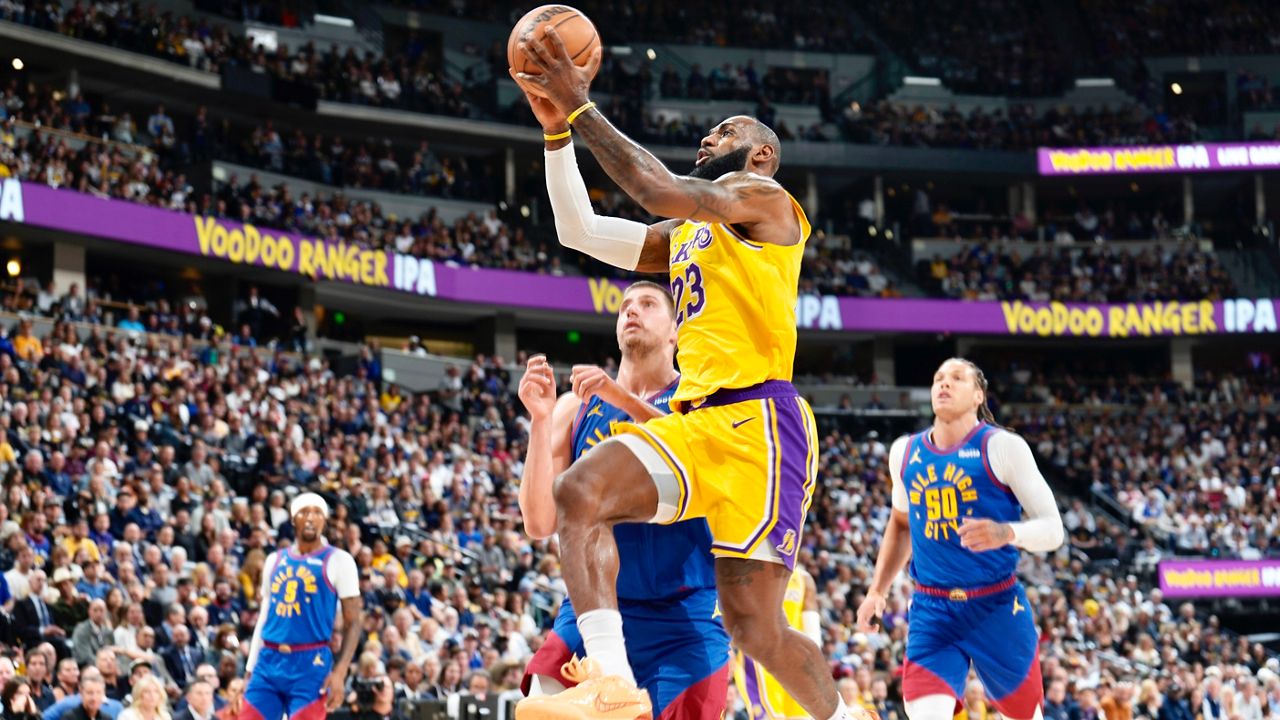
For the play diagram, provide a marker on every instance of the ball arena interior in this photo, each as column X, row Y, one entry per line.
column 288, row 297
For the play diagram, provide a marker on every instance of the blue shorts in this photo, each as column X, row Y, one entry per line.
column 678, row 649
column 290, row 684
column 997, row 633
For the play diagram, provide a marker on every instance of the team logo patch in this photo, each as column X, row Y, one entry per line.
column 319, row 661
column 788, row 544
column 915, row 457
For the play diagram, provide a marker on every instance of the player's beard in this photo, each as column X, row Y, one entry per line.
column 715, row 167
column 638, row 347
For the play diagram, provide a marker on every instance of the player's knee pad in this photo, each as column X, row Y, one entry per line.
column 931, row 707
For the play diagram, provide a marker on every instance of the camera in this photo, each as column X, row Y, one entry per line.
column 367, row 690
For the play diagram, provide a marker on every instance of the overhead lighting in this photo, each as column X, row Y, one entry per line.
column 334, row 20
column 18, row 64
column 1176, row 88
column 651, row 54
column 1095, row 82
column 13, row 267
column 922, row 81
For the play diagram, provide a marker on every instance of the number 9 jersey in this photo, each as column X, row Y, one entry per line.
column 735, row 306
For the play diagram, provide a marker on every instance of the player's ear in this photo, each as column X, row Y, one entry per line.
column 764, row 154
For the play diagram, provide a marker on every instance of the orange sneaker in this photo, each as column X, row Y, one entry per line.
column 594, row 698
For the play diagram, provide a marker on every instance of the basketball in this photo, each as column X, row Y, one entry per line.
column 576, row 31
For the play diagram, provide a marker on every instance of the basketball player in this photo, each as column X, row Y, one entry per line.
column 959, row 491
column 667, row 584
column 291, row 669
column 741, row 447
column 765, row 698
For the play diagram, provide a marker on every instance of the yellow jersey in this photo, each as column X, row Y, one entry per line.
column 763, row 694
column 735, row 306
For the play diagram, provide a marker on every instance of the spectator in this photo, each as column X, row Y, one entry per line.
column 92, row 634
column 148, row 701
column 199, row 698
column 17, row 701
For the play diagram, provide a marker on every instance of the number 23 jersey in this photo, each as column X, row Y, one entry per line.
column 735, row 306
column 939, row 488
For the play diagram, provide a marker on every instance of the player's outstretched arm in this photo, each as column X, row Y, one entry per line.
column 549, row 452
column 738, row 198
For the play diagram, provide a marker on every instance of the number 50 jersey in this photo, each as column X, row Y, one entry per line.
column 946, row 486
column 735, row 306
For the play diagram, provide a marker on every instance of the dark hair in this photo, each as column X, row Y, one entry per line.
column 663, row 291
column 11, row 689
column 980, row 379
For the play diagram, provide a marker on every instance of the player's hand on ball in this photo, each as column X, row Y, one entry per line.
column 565, row 84
column 983, row 535
column 538, row 388
column 592, row 381
column 871, row 608
column 548, row 115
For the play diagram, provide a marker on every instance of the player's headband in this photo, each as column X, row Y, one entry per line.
column 308, row 500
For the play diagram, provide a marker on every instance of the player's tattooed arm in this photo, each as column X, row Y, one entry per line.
column 740, row 198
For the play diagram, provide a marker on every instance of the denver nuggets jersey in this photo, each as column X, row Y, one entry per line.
column 301, row 604
column 735, row 306
column 655, row 561
column 945, row 486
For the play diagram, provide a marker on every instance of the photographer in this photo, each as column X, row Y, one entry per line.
column 370, row 699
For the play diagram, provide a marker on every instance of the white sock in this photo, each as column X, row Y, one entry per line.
column 602, row 636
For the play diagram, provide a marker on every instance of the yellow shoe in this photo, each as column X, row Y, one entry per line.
column 594, row 698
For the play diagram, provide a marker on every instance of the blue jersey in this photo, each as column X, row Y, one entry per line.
column 945, row 486
column 655, row 561
column 301, row 604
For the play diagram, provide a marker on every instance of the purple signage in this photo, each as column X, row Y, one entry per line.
column 1219, row 578
column 1137, row 159
column 65, row 210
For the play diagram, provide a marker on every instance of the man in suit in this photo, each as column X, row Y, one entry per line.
column 33, row 619
column 92, row 634
column 199, row 702
column 181, row 660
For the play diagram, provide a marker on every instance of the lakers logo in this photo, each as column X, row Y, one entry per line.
column 942, row 494
column 285, row 587
column 702, row 238
column 788, row 545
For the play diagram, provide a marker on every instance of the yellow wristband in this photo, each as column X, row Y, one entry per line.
column 574, row 115
column 557, row 136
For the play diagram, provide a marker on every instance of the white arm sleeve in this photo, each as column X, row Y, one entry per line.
column 610, row 240
column 343, row 575
column 897, row 456
column 264, row 597
column 1015, row 466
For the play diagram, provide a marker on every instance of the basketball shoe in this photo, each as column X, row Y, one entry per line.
column 593, row 698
